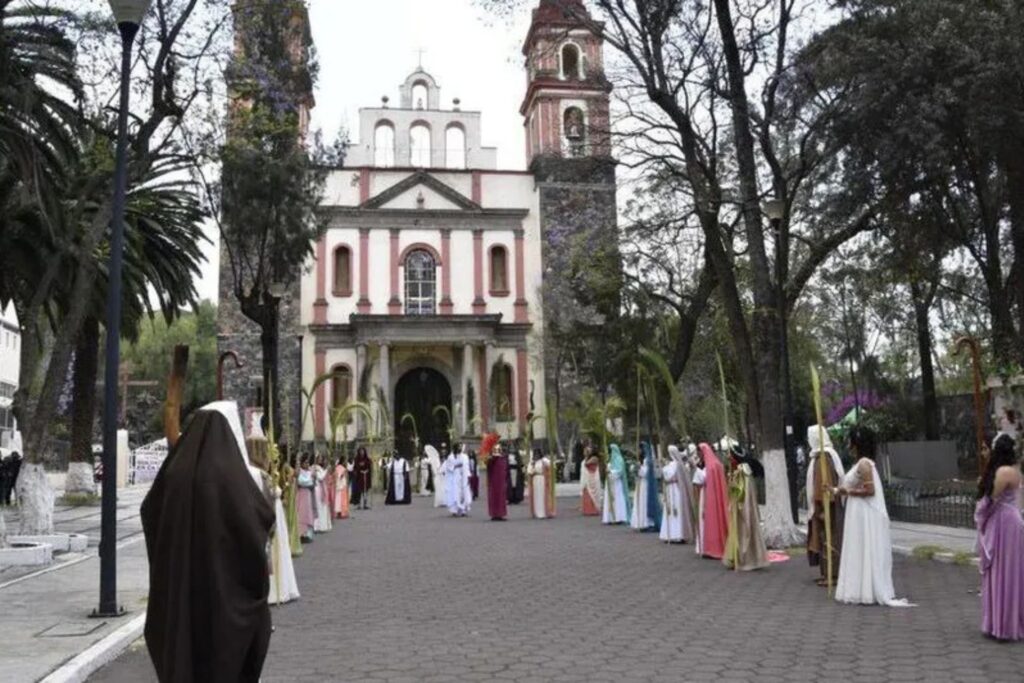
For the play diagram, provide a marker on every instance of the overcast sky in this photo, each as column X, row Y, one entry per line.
column 366, row 50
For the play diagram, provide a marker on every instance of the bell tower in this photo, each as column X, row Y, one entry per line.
column 568, row 151
column 566, row 103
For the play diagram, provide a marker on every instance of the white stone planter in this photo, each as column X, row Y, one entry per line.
column 61, row 543
column 21, row 554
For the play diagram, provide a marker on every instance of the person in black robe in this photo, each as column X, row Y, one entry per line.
column 579, row 455
column 206, row 525
column 362, row 478
column 516, row 480
column 399, row 491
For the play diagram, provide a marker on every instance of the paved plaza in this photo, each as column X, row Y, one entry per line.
column 410, row 594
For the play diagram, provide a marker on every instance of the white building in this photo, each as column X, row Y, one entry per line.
column 10, row 366
column 426, row 289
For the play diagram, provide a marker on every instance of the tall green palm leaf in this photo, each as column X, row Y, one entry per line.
column 677, row 410
column 37, row 74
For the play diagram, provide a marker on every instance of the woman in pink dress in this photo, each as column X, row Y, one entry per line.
column 1001, row 544
column 305, row 482
column 341, row 489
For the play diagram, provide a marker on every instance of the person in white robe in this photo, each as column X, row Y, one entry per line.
column 440, row 490
column 322, row 522
column 642, row 518
column 458, row 496
column 538, row 473
column 699, row 477
column 427, row 476
column 673, row 514
column 283, row 585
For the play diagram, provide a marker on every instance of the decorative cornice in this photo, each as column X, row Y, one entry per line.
column 421, row 177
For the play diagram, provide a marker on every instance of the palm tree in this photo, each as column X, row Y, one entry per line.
column 37, row 63
column 162, row 259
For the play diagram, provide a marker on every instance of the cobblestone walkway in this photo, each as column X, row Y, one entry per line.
column 409, row 594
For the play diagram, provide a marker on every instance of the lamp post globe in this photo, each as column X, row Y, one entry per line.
column 129, row 11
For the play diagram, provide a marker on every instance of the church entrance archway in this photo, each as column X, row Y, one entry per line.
column 418, row 392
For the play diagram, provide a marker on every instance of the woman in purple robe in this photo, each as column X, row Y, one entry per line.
column 1001, row 544
column 497, row 480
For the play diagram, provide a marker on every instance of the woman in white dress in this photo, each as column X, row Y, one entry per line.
column 865, row 564
column 283, row 585
column 322, row 522
column 439, row 486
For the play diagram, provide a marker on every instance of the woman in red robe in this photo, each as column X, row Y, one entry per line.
column 497, row 479
column 714, row 524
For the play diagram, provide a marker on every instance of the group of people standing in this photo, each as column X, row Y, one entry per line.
column 709, row 500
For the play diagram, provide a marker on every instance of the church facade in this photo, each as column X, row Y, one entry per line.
column 426, row 294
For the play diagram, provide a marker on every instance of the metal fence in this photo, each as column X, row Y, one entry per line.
column 943, row 503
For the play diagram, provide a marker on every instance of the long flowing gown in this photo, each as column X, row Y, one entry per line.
column 426, row 477
column 616, row 493
column 458, row 495
column 714, row 518
column 439, row 484
column 865, row 564
column 688, row 504
column 744, row 546
column 304, row 503
column 322, row 521
column 541, row 493
column 591, row 495
column 399, row 491
column 646, row 508
column 497, row 483
column 291, row 509
column 283, row 585
column 1001, row 551
column 341, row 492
column 673, row 514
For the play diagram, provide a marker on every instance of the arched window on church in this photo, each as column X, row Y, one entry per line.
column 342, row 271
column 572, row 63
column 419, row 95
column 420, row 283
column 419, row 145
column 384, row 145
column 341, row 386
column 455, row 146
column 501, row 393
column 575, row 132
column 499, row 271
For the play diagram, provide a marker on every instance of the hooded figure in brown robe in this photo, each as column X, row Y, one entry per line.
column 206, row 525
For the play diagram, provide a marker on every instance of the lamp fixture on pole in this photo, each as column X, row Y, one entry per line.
column 129, row 15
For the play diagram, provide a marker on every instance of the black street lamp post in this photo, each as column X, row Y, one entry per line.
column 129, row 15
column 775, row 210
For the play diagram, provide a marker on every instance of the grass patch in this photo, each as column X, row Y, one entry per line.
column 927, row 552
column 77, row 500
column 963, row 559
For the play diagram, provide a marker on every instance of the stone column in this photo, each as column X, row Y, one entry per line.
column 356, row 378
column 385, row 378
column 394, row 303
column 467, row 374
column 479, row 303
column 319, row 413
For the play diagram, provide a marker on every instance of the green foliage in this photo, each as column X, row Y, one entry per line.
column 149, row 356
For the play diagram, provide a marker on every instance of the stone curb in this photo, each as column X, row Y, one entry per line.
column 83, row 665
column 944, row 557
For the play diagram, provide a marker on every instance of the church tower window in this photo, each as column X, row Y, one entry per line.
column 342, row 271
column 572, row 63
column 574, row 129
column 419, row 141
column 384, row 145
column 499, row 271
column 419, row 95
column 341, row 386
column 420, row 283
column 455, row 146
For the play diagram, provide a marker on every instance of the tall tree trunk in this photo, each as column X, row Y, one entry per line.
column 83, row 408
column 1013, row 165
column 269, row 342
column 765, row 341
column 930, row 400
